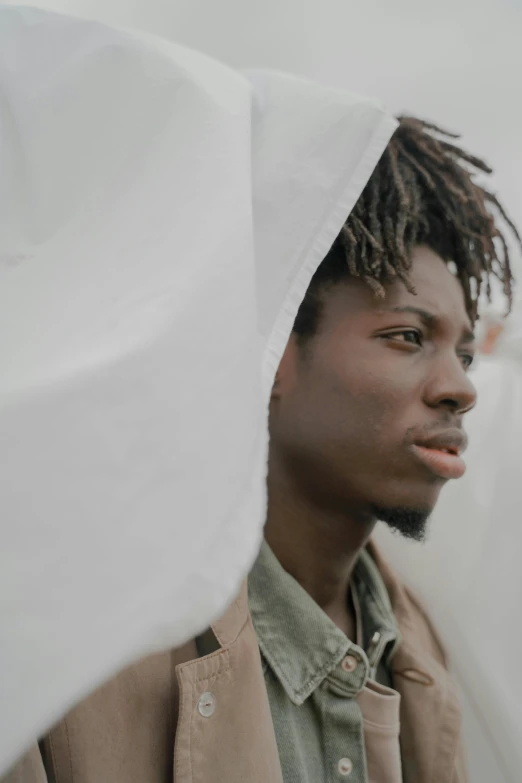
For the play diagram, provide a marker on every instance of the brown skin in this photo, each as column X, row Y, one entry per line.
column 344, row 412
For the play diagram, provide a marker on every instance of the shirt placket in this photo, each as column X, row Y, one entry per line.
column 342, row 718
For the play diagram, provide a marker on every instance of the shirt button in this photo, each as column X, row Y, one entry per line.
column 345, row 767
column 349, row 664
column 207, row 704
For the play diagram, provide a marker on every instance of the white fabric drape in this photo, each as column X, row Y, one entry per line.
column 160, row 219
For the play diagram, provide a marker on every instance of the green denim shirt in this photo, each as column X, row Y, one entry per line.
column 311, row 688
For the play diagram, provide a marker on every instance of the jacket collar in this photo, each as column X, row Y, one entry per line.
column 229, row 626
column 430, row 710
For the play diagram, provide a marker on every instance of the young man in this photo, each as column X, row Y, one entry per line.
column 335, row 672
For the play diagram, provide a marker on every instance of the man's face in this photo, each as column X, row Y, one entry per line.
column 362, row 419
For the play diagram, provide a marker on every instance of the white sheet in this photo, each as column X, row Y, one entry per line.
column 161, row 217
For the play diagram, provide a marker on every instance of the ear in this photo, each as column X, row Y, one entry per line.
column 286, row 374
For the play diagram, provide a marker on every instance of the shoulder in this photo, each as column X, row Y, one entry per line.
column 123, row 729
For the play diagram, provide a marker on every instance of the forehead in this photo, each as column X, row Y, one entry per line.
column 437, row 291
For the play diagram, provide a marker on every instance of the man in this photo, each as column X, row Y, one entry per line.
column 336, row 672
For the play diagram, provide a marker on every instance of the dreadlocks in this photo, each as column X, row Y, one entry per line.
column 423, row 191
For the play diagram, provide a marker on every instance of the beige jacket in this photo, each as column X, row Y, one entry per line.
column 145, row 726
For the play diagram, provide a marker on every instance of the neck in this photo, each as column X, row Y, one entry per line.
column 316, row 545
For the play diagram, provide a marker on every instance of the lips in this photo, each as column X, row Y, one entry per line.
column 441, row 453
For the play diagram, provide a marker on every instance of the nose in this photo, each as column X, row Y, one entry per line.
column 450, row 387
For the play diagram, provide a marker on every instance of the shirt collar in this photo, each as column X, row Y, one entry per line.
column 299, row 642
column 297, row 639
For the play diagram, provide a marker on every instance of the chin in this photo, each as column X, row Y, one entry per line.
column 410, row 522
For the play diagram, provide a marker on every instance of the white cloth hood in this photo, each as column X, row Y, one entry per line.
column 161, row 218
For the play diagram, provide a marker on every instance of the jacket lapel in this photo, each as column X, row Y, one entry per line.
column 430, row 711
column 225, row 730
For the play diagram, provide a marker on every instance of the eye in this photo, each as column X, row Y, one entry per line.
column 467, row 360
column 410, row 336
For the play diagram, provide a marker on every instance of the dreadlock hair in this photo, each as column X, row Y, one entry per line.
column 422, row 191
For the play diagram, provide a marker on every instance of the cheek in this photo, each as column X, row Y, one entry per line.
column 352, row 406
column 373, row 398
column 349, row 414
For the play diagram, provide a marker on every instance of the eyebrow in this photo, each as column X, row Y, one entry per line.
column 429, row 319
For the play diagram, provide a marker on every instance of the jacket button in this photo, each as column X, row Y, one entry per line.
column 207, row 704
